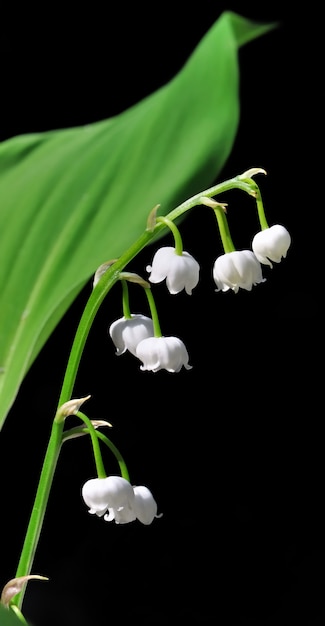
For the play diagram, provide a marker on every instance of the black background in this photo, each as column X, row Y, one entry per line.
column 232, row 450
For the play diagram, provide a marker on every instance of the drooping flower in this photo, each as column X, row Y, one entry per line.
column 145, row 506
column 126, row 333
column 237, row 269
column 159, row 353
column 115, row 499
column 101, row 494
column 271, row 244
column 144, row 509
column 180, row 270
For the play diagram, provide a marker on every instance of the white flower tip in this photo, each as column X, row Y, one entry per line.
column 69, row 408
column 15, row 585
column 99, row 423
column 213, row 204
column 251, row 172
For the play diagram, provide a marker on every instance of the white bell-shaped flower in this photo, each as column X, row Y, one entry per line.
column 159, row 353
column 180, row 270
column 237, row 269
column 144, row 509
column 101, row 494
column 145, row 506
column 271, row 244
column 126, row 333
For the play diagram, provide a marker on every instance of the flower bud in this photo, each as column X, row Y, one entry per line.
column 69, row 408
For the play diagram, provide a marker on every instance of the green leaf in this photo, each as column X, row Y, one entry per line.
column 8, row 618
column 72, row 199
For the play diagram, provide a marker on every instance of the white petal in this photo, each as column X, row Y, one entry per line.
column 183, row 273
column 119, row 492
column 180, row 270
column 147, row 353
column 116, row 334
column 145, row 506
column 101, row 493
column 238, row 269
column 271, row 244
column 158, row 353
column 94, row 493
column 160, row 264
column 126, row 333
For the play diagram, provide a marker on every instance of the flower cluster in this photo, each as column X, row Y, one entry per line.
column 237, row 269
column 232, row 271
column 241, row 269
column 136, row 334
column 114, row 498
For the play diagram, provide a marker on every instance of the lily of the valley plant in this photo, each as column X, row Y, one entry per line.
column 52, row 182
column 113, row 496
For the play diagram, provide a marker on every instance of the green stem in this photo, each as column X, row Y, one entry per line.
column 226, row 239
column 104, row 285
column 232, row 183
column 154, row 313
column 95, row 443
column 176, row 234
column 82, row 430
column 18, row 613
column 39, row 507
column 117, row 454
column 125, row 300
column 53, row 449
column 260, row 209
